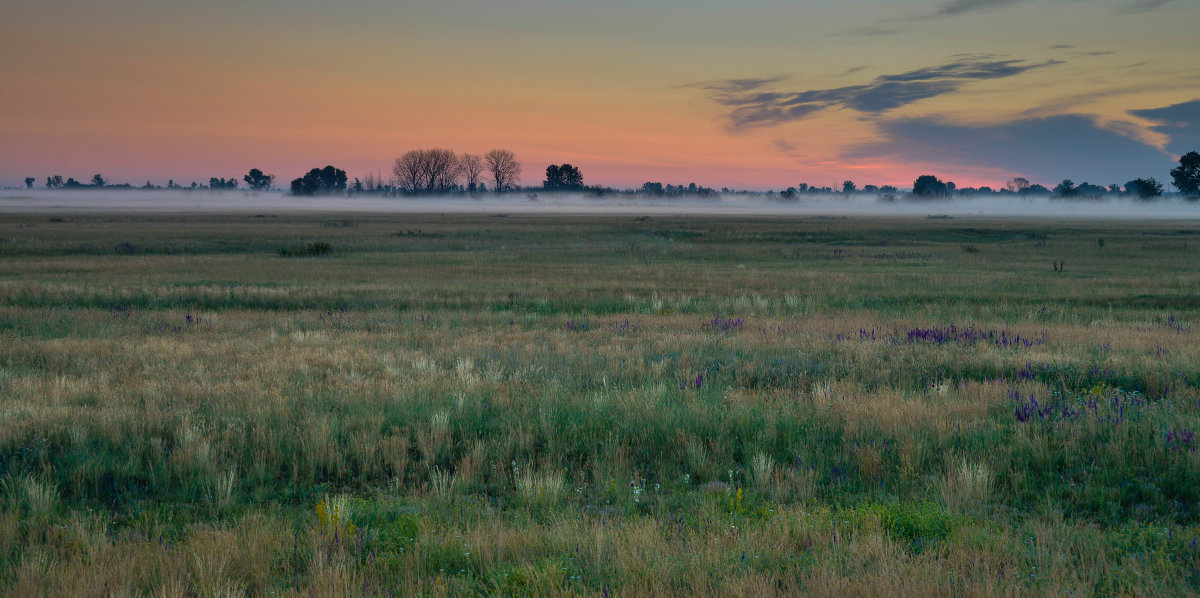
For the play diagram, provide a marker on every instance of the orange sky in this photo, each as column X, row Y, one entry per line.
column 629, row 91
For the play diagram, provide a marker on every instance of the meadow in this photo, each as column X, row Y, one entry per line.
column 605, row 405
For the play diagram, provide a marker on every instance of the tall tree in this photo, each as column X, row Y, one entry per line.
column 1187, row 175
column 506, row 171
column 1144, row 188
column 848, row 187
column 443, row 170
column 553, row 178
column 928, row 185
column 428, row 171
column 563, row 178
column 29, row 182
column 1017, row 185
column 572, row 178
column 97, row 180
column 257, row 180
column 320, row 181
column 1066, row 189
column 472, row 168
column 408, row 171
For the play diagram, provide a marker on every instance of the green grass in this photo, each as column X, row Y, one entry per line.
column 567, row 406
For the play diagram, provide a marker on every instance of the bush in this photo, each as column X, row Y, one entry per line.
column 307, row 250
column 1144, row 188
column 921, row 525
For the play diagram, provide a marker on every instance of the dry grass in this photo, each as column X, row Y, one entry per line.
column 533, row 406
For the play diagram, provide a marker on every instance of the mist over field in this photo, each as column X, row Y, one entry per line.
column 732, row 204
column 662, row 299
column 256, row 395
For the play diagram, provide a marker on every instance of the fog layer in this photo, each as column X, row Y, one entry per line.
column 162, row 201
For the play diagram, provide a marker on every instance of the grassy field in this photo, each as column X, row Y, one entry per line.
column 597, row 406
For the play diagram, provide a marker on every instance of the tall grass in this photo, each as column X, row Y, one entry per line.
column 551, row 406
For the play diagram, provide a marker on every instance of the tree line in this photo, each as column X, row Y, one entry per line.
column 444, row 171
column 255, row 180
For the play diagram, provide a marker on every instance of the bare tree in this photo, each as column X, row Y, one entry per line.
column 1017, row 185
column 442, row 170
column 430, row 171
column 506, row 171
column 408, row 170
column 472, row 167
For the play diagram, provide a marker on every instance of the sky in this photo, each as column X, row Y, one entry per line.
column 754, row 94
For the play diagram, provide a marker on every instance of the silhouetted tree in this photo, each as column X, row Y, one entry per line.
column 97, row 180
column 553, row 178
column 1086, row 189
column 429, row 171
column 54, row 182
column 29, row 182
column 319, row 181
column 848, row 187
column 258, row 181
column 1187, row 175
column 1036, row 189
column 928, row 185
column 563, row 178
column 408, row 171
column 506, row 171
column 572, row 177
column 1017, row 185
column 72, row 183
column 1066, row 189
column 652, row 188
column 221, row 184
column 443, row 170
column 1144, row 188
column 472, row 167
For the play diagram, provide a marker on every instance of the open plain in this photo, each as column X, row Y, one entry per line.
column 425, row 405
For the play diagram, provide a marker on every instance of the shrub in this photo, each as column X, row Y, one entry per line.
column 921, row 525
column 307, row 250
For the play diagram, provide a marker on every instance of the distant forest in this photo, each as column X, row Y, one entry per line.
column 442, row 171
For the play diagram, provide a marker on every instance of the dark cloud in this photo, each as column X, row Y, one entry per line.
column 1044, row 149
column 784, row 145
column 752, row 107
column 958, row 7
column 870, row 31
column 1146, row 6
column 1180, row 122
column 736, row 85
column 955, row 8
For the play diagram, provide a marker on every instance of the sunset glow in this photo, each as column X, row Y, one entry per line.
column 974, row 91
